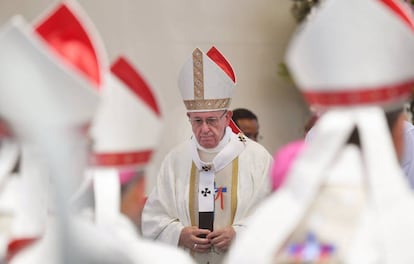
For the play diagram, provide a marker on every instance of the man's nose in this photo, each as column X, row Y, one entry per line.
column 204, row 127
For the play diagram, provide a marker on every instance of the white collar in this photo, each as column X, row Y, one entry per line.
column 223, row 142
column 228, row 149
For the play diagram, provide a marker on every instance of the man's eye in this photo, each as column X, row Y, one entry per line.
column 211, row 120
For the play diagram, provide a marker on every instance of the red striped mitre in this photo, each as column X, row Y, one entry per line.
column 126, row 128
column 53, row 67
column 206, row 81
column 354, row 52
column 71, row 35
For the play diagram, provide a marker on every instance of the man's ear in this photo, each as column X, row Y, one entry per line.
column 229, row 113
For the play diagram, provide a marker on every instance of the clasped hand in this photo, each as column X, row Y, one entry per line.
column 220, row 239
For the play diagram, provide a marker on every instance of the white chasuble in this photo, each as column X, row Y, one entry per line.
column 241, row 183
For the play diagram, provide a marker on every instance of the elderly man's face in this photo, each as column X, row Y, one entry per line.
column 209, row 127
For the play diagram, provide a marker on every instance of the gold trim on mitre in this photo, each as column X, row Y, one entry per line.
column 207, row 104
column 198, row 74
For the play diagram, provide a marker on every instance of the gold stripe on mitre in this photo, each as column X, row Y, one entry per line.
column 198, row 75
column 207, row 104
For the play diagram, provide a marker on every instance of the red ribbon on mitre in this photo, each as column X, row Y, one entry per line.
column 383, row 95
column 123, row 159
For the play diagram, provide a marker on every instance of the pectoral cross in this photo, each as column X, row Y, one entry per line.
column 241, row 137
column 205, row 192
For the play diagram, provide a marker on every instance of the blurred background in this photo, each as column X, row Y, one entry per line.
column 158, row 36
